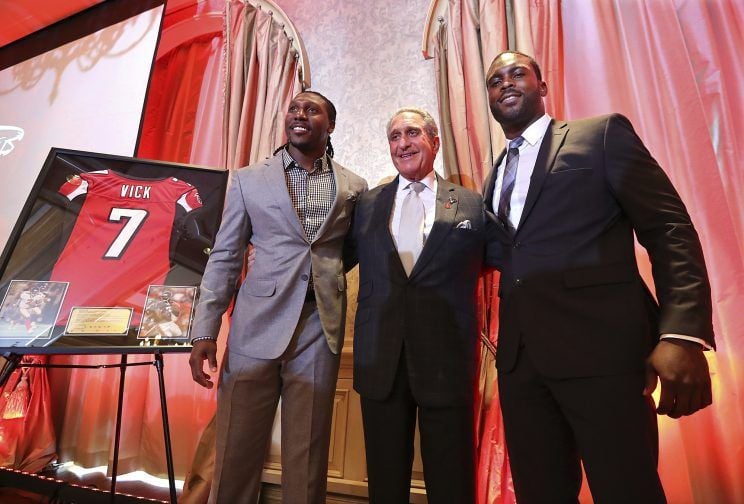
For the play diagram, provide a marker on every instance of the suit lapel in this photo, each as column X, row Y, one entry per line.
column 488, row 187
column 444, row 218
column 551, row 144
column 277, row 186
column 342, row 190
column 383, row 209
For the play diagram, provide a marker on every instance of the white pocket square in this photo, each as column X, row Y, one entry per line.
column 464, row 224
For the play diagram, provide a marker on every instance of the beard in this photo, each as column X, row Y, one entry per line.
column 529, row 108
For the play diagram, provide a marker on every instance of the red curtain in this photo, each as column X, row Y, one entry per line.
column 27, row 439
column 185, row 107
column 168, row 129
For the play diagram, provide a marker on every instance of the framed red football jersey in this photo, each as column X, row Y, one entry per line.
column 122, row 234
column 96, row 234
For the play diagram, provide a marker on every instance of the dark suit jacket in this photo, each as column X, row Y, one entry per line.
column 570, row 287
column 430, row 315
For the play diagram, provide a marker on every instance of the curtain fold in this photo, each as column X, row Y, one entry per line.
column 539, row 33
column 472, row 32
column 493, row 476
column 27, row 438
column 263, row 78
column 169, row 130
column 460, row 74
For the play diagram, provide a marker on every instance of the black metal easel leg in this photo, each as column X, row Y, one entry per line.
column 117, row 433
column 166, row 429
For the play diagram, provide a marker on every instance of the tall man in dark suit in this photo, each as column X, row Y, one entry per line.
column 287, row 325
column 420, row 243
column 581, row 339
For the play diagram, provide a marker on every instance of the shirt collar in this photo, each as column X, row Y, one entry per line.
column 429, row 181
column 536, row 131
column 320, row 165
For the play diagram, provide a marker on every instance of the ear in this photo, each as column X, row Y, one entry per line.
column 543, row 89
column 331, row 126
column 437, row 143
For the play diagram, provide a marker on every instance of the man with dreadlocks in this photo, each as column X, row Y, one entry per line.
column 288, row 322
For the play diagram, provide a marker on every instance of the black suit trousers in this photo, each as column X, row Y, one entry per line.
column 447, row 447
column 553, row 425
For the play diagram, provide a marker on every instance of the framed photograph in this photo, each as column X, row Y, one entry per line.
column 168, row 312
column 29, row 310
column 117, row 232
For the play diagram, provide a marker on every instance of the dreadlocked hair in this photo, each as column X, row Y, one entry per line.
column 329, row 148
column 279, row 149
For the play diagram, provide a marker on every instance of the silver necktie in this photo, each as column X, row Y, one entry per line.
column 411, row 227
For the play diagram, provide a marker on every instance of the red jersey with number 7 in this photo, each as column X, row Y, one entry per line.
column 120, row 243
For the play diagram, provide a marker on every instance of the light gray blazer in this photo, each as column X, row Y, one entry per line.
column 258, row 209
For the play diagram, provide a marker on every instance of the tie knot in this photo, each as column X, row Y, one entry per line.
column 516, row 143
column 416, row 187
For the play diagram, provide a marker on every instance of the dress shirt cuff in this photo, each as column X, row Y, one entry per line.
column 702, row 342
column 203, row 338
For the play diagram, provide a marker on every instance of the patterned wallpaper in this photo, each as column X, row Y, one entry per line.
column 366, row 58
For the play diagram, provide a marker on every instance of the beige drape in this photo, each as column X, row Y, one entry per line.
column 470, row 30
column 467, row 38
column 262, row 79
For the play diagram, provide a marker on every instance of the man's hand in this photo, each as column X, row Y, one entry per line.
column 203, row 350
column 685, row 379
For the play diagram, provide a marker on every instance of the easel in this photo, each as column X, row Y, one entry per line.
column 14, row 361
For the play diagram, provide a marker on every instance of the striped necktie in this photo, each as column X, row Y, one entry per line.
column 507, row 184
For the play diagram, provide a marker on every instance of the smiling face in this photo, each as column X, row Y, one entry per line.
column 515, row 93
column 412, row 149
column 308, row 124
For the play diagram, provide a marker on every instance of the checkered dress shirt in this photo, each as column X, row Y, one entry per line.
column 312, row 193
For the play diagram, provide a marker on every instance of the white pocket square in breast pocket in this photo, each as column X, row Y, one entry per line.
column 464, row 224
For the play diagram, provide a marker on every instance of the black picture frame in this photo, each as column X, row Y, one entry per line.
column 109, row 261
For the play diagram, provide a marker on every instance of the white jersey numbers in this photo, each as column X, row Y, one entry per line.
column 134, row 218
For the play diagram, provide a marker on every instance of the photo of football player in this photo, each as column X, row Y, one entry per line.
column 29, row 308
column 167, row 312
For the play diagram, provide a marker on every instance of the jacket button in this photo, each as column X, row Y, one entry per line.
column 304, row 277
column 517, row 244
column 518, row 281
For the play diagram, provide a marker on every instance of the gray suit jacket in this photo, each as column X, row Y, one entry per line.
column 258, row 209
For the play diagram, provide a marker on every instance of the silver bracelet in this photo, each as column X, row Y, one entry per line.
column 203, row 338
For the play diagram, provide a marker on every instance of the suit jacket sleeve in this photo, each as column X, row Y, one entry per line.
column 224, row 265
column 350, row 256
column 663, row 226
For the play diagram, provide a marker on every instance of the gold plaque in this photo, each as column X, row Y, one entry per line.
column 98, row 321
